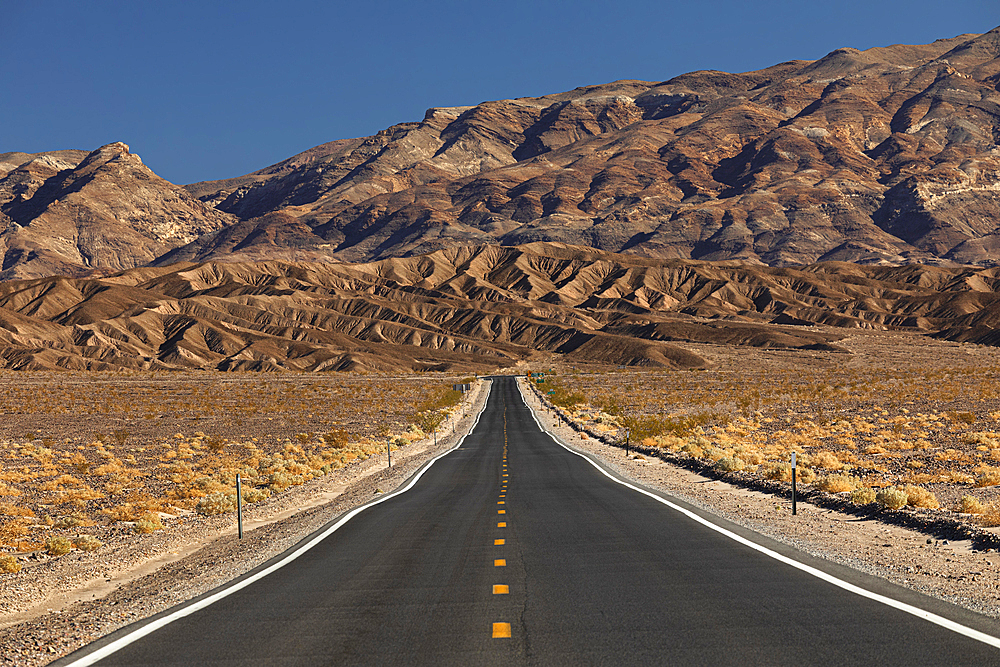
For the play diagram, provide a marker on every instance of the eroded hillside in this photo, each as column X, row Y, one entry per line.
column 473, row 308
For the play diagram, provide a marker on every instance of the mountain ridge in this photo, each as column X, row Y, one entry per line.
column 883, row 156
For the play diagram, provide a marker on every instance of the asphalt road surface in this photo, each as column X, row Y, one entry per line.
column 512, row 550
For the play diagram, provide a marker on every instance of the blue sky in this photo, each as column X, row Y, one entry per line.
column 209, row 90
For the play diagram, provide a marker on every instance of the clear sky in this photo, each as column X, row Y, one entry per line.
column 216, row 89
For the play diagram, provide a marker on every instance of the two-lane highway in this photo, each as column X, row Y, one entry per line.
column 514, row 550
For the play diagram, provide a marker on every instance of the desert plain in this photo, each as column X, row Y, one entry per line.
column 119, row 487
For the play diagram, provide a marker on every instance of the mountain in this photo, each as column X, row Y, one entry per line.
column 882, row 156
column 886, row 156
column 474, row 308
column 74, row 213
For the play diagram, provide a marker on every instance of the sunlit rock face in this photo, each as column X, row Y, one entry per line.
column 73, row 213
column 883, row 156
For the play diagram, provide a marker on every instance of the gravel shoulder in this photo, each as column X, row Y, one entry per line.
column 951, row 570
column 56, row 606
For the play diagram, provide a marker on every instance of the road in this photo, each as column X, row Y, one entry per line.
column 513, row 550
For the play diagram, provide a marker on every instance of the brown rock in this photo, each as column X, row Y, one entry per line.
column 881, row 156
column 105, row 213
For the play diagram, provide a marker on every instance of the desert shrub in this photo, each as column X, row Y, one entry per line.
column 204, row 486
column 11, row 530
column 962, row 417
column 988, row 476
column 826, row 460
column 730, row 464
column 983, row 438
column 217, row 503
column 147, row 523
column 805, row 475
column 693, row 449
column 892, row 497
column 863, row 496
column 428, row 421
column 565, row 399
column 279, row 481
column 14, row 510
column 72, row 521
column 642, row 426
column 779, row 471
column 9, row 564
column 838, row 483
column 969, row 505
column 917, row 496
column 58, row 545
column 87, row 543
column 252, row 495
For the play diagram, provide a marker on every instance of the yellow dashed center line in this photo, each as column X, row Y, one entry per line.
column 502, row 630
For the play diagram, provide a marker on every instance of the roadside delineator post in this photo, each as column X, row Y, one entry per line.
column 388, row 451
column 239, row 505
column 793, row 483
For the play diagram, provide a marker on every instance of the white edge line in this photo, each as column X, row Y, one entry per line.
column 149, row 628
column 819, row 574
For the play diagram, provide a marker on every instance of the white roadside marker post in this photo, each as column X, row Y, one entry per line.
column 793, row 483
column 239, row 505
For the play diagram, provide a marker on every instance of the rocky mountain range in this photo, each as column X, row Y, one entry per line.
column 72, row 213
column 474, row 308
column 882, row 156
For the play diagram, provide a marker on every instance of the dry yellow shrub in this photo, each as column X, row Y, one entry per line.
column 779, row 471
column 917, row 496
column 147, row 523
column 8, row 491
column 730, row 464
column 988, row 476
column 58, row 545
column 11, row 530
column 969, row 505
column 14, row 510
column 9, row 564
column 838, row 483
column 87, row 543
column 892, row 497
column 863, row 496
